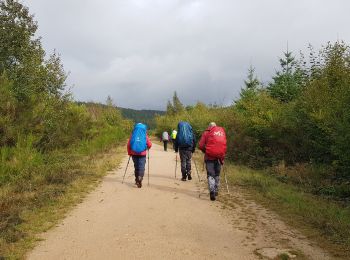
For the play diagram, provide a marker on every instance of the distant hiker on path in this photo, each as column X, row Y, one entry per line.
column 185, row 142
column 137, row 148
column 165, row 138
column 173, row 138
column 213, row 144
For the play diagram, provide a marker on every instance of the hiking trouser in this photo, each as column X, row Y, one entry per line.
column 185, row 157
column 139, row 165
column 213, row 173
column 165, row 142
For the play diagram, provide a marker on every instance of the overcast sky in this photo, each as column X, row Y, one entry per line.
column 140, row 51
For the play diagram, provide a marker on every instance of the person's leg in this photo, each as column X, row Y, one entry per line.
column 183, row 163
column 188, row 164
column 135, row 161
column 217, row 168
column 141, row 169
column 211, row 178
column 166, row 146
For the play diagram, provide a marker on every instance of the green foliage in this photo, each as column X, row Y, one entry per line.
column 287, row 84
column 145, row 116
column 325, row 106
column 175, row 107
column 252, row 85
column 302, row 117
column 329, row 218
column 8, row 104
column 44, row 135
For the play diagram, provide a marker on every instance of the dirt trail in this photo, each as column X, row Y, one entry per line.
column 167, row 220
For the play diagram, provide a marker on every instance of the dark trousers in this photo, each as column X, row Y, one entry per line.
column 165, row 142
column 185, row 157
column 139, row 165
column 213, row 174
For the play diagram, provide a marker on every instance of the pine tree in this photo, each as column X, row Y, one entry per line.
column 170, row 108
column 287, row 83
column 178, row 106
column 252, row 84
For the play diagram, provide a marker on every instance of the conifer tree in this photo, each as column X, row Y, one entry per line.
column 287, row 83
column 252, row 84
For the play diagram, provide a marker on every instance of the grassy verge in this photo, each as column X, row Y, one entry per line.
column 43, row 187
column 323, row 220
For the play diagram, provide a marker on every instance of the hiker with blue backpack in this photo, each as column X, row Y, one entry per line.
column 138, row 145
column 185, row 144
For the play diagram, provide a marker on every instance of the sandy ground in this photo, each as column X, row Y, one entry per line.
column 168, row 220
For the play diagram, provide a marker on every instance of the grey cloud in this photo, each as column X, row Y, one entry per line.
column 140, row 51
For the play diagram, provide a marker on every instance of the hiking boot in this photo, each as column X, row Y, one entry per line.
column 183, row 178
column 189, row 177
column 212, row 195
column 139, row 183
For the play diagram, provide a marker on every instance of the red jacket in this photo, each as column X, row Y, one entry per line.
column 202, row 144
column 149, row 145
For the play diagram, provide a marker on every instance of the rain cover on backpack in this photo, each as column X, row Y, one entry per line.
column 184, row 134
column 216, row 143
column 138, row 138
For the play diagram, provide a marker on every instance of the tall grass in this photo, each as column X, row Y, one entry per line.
column 30, row 180
column 330, row 219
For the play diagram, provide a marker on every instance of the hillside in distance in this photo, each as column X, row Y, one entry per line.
column 144, row 115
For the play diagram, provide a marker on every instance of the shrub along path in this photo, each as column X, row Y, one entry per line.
column 168, row 220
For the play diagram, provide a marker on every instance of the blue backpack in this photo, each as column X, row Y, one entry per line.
column 138, row 138
column 184, row 134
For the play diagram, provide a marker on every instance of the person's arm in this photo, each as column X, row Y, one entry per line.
column 194, row 144
column 128, row 147
column 149, row 143
column 203, row 142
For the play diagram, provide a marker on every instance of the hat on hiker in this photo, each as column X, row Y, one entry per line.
column 212, row 124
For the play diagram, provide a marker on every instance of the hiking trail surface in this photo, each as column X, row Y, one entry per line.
column 168, row 220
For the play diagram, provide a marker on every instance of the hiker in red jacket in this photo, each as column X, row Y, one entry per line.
column 139, row 158
column 213, row 144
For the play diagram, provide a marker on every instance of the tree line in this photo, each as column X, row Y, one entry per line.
column 47, row 140
column 298, row 123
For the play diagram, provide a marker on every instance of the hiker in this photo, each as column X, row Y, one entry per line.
column 137, row 146
column 213, row 144
column 165, row 139
column 173, row 137
column 185, row 143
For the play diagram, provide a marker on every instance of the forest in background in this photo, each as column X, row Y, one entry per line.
column 297, row 125
column 145, row 116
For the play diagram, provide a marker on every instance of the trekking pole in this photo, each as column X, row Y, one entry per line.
column 148, row 167
column 228, row 191
column 199, row 179
column 126, row 169
column 175, row 166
